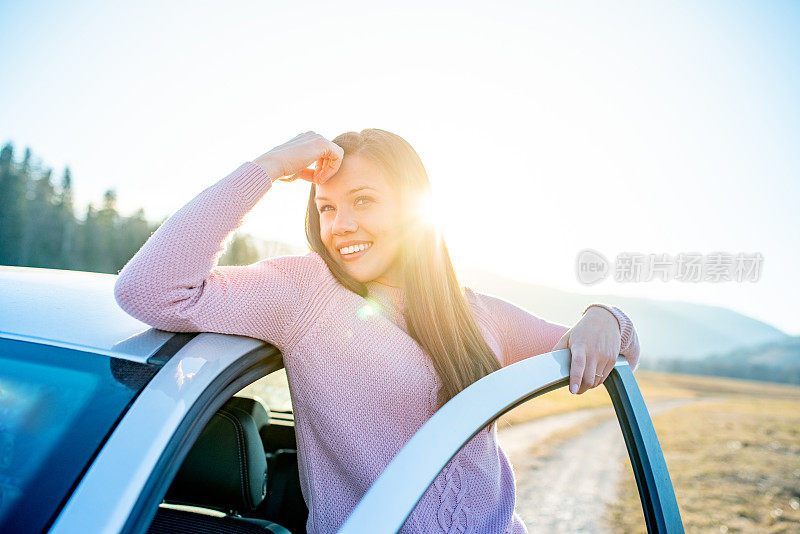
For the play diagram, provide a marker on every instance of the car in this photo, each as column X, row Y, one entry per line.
column 109, row 425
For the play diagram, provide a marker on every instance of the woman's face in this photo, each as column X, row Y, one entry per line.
column 357, row 206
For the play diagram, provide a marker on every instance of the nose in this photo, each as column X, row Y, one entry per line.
column 344, row 223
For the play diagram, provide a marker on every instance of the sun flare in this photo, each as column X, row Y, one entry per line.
column 430, row 213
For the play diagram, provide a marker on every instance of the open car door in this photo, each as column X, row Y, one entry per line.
column 391, row 499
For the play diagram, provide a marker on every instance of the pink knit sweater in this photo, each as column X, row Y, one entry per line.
column 360, row 385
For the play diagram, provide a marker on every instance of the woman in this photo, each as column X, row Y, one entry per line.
column 375, row 331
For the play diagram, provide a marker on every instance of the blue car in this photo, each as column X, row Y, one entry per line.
column 108, row 425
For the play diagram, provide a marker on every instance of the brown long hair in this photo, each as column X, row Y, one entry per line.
column 436, row 310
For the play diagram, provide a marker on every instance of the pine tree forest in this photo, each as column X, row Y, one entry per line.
column 39, row 227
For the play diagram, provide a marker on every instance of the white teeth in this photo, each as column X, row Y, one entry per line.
column 354, row 248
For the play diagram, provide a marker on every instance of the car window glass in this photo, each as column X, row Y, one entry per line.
column 272, row 390
column 56, row 408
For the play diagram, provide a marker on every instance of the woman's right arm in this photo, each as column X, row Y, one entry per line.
column 524, row 335
column 173, row 282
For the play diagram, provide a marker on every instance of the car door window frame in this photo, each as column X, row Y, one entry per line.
column 393, row 496
column 248, row 368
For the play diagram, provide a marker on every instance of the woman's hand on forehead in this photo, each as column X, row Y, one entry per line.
column 290, row 161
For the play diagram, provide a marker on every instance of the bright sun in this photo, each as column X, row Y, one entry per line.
column 430, row 212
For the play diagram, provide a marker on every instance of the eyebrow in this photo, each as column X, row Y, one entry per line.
column 350, row 192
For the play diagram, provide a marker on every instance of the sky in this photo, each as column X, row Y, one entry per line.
column 546, row 128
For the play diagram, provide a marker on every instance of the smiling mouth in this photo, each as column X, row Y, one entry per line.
column 353, row 253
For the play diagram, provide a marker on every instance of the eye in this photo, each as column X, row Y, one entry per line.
column 323, row 209
column 363, row 198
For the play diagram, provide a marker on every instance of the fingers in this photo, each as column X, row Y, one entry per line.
column 605, row 371
column 594, row 344
column 609, row 368
column 319, row 170
column 328, row 164
column 577, row 366
column 587, row 380
column 606, row 364
column 584, row 367
column 306, row 174
column 294, row 158
column 331, row 162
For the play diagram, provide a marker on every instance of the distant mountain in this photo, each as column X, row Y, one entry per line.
column 778, row 361
column 779, row 355
column 667, row 329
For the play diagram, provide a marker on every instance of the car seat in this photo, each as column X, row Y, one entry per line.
column 224, row 479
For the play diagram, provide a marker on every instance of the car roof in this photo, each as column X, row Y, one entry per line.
column 73, row 309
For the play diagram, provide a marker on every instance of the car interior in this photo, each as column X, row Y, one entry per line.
column 240, row 476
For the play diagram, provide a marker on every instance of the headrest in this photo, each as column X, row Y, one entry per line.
column 257, row 411
column 226, row 469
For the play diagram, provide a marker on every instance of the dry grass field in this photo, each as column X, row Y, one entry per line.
column 734, row 461
column 652, row 385
column 734, row 464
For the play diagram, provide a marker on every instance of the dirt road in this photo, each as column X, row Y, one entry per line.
column 569, row 490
